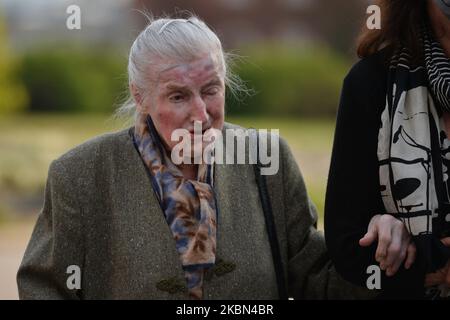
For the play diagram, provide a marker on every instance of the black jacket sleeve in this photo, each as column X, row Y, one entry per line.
column 353, row 195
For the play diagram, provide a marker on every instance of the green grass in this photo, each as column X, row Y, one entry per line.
column 28, row 143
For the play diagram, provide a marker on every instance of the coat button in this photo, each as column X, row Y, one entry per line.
column 223, row 267
column 172, row 285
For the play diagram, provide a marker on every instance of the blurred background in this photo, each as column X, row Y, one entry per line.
column 59, row 87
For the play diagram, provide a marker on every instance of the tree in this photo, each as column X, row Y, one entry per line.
column 13, row 96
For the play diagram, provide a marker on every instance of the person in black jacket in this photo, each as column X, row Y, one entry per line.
column 391, row 154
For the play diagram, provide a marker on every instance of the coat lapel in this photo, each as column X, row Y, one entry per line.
column 159, row 250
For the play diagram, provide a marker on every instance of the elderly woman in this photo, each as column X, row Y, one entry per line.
column 135, row 225
column 391, row 152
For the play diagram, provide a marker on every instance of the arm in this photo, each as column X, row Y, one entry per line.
column 353, row 197
column 55, row 243
column 311, row 274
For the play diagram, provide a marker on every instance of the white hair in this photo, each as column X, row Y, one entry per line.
column 176, row 40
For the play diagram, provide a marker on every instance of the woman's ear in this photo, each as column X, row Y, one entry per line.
column 136, row 96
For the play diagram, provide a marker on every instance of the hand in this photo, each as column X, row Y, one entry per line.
column 442, row 276
column 394, row 243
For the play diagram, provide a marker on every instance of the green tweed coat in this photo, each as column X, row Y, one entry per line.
column 100, row 213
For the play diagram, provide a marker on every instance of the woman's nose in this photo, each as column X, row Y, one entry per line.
column 198, row 111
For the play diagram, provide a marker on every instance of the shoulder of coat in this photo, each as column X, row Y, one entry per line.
column 97, row 146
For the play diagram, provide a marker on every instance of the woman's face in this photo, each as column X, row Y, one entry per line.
column 186, row 93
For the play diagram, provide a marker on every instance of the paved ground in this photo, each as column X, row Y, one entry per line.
column 14, row 237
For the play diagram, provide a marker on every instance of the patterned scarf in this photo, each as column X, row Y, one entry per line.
column 438, row 70
column 413, row 149
column 189, row 205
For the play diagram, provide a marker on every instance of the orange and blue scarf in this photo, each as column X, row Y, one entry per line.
column 189, row 206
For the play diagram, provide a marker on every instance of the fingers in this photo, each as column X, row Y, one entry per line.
column 436, row 278
column 441, row 276
column 384, row 240
column 394, row 243
column 393, row 268
column 397, row 247
column 446, row 241
column 368, row 238
column 432, row 279
column 372, row 232
column 410, row 256
column 397, row 250
column 447, row 277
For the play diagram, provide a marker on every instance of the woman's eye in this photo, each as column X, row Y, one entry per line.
column 176, row 97
column 212, row 91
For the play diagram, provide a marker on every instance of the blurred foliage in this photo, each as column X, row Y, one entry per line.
column 75, row 79
column 286, row 80
column 3, row 217
column 13, row 96
column 289, row 80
